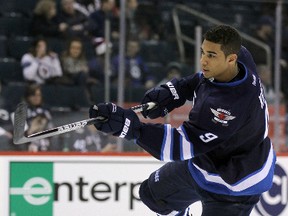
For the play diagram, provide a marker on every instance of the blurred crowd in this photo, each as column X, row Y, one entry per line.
column 65, row 49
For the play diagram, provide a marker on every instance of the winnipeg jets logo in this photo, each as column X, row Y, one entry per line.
column 222, row 116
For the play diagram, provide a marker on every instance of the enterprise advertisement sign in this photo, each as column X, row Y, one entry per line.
column 99, row 186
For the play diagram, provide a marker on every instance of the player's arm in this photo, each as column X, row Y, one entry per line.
column 124, row 123
column 162, row 141
column 169, row 96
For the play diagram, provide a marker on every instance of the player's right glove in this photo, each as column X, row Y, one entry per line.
column 115, row 120
column 166, row 99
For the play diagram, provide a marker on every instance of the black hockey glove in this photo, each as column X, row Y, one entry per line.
column 115, row 120
column 166, row 99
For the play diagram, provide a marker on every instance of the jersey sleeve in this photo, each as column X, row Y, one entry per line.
column 183, row 87
column 165, row 142
column 159, row 139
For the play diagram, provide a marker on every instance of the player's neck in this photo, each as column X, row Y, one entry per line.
column 229, row 75
column 234, row 72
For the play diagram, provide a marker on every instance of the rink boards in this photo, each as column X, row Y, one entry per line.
column 97, row 185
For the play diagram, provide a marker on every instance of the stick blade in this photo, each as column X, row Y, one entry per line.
column 19, row 124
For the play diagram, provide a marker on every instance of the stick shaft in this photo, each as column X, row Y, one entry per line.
column 20, row 138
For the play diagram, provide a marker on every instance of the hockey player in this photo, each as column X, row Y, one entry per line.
column 222, row 155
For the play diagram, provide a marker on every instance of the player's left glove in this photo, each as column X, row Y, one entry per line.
column 116, row 120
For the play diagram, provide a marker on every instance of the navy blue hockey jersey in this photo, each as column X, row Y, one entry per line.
column 226, row 137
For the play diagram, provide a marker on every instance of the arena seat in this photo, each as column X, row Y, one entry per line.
column 157, row 51
column 10, row 70
column 3, row 46
column 13, row 93
column 14, row 24
column 18, row 46
column 74, row 97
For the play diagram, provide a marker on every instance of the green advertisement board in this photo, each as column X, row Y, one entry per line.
column 31, row 189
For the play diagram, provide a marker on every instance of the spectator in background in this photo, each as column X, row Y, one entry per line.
column 97, row 18
column 136, row 74
column 87, row 7
column 78, row 23
column 143, row 20
column 265, row 33
column 132, row 28
column 75, row 65
column 5, row 125
column 97, row 64
column 265, row 75
column 88, row 139
column 173, row 70
column 6, row 129
column 38, row 117
column 39, row 64
column 148, row 20
column 44, row 20
column 131, row 8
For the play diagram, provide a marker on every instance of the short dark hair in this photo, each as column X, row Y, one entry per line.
column 227, row 36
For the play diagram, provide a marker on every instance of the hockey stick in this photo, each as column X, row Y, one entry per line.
column 19, row 136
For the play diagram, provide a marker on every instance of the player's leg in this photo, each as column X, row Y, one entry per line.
column 226, row 209
column 216, row 204
column 168, row 191
column 177, row 213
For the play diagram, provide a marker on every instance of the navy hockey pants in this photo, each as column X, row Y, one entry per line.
column 171, row 188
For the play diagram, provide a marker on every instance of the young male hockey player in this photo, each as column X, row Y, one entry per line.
column 222, row 155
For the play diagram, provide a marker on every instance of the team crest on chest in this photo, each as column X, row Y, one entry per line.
column 221, row 116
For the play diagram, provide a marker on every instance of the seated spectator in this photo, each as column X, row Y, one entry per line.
column 38, row 117
column 89, row 139
column 265, row 76
column 87, row 7
column 44, row 20
column 78, row 24
column 39, row 64
column 136, row 74
column 75, row 65
column 132, row 27
column 265, row 33
column 4, row 118
column 6, row 129
column 147, row 17
column 97, row 64
column 174, row 70
column 97, row 18
column 143, row 20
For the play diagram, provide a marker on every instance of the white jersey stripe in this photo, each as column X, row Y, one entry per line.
column 248, row 182
column 173, row 213
column 186, row 150
column 266, row 120
column 167, row 144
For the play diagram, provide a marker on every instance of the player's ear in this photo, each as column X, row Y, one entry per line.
column 232, row 58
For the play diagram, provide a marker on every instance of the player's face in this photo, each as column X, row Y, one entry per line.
column 213, row 62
